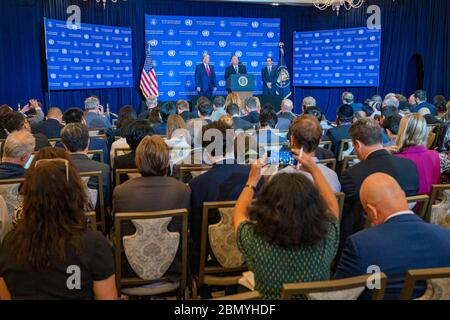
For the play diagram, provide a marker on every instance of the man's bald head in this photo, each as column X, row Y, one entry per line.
column 55, row 113
column 381, row 196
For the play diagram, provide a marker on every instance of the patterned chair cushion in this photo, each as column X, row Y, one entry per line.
column 152, row 249
column 222, row 239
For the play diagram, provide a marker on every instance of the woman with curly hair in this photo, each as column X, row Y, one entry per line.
column 291, row 232
column 51, row 254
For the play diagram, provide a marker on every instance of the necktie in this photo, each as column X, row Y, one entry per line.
column 207, row 69
column 236, row 69
column 270, row 70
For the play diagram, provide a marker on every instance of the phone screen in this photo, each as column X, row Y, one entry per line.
column 28, row 164
column 281, row 158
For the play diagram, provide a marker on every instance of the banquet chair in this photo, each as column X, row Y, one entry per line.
column 438, row 283
column 342, row 289
column 150, row 252
column 131, row 173
column 250, row 295
column 419, row 204
column 436, row 190
column 326, row 145
column 100, row 196
column 91, row 219
column 330, row 163
column 347, row 163
column 345, row 149
column 98, row 153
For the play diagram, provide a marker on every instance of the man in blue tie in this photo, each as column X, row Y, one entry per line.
column 205, row 78
column 269, row 74
column 235, row 68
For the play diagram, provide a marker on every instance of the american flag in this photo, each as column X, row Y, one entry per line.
column 149, row 84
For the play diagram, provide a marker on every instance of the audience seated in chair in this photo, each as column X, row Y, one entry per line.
column 95, row 114
column 411, row 144
column 154, row 191
column 340, row 132
column 17, row 151
column 238, row 122
column 420, row 99
column 267, row 122
column 166, row 110
column 52, row 238
column 367, row 141
column 183, row 110
column 305, row 134
column 252, row 116
column 291, row 232
column 52, row 126
column 398, row 242
column 75, row 137
column 219, row 108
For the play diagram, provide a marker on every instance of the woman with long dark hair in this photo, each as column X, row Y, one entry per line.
column 51, row 254
column 291, row 232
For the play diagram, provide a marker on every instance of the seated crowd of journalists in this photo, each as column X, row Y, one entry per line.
column 312, row 200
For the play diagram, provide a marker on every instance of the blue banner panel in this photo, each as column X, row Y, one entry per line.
column 88, row 57
column 337, row 58
column 179, row 42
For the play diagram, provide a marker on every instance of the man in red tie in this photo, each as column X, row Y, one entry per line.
column 205, row 78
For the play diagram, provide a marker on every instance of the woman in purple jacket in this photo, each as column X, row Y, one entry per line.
column 411, row 142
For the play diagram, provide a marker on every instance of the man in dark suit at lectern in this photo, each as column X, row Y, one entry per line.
column 269, row 74
column 235, row 68
column 205, row 78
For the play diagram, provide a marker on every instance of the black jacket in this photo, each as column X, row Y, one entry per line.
column 337, row 134
column 252, row 117
column 11, row 171
column 402, row 170
column 239, row 123
column 51, row 128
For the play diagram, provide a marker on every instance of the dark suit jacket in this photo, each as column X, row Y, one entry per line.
column 94, row 144
column 337, row 134
column 186, row 115
column 51, row 128
column 160, row 128
column 41, row 141
column 202, row 80
column 269, row 77
column 148, row 194
column 403, row 243
column 84, row 164
column 230, row 70
column 239, row 123
column 430, row 107
column 323, row 154
column 402, row 170
column 252, row 117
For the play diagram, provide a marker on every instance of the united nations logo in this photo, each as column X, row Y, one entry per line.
column 99, row 76
column 65, row 68
column 327, row 40
column 76, row 60
column 337, row 74
column 63, row 34
column 126, row 39
column 171, row 53
column 222, row 24
column 64, row 51
column 171, row 73
column 50, row 24
column 243, row 81
column 238, row 54
column 65, row 84
column 222, row 63
column 153, row 22
column 153, row 43
column 75, row 44
column 254, row 64
column 188, row 83
column 171, row 93
column 97, row 45
column 127, row 68
column 86, row 36
column 108, row 53
column 255, row 24
column 372, row 38
column 222, row 83
column 188, row 63
column 77, row 76
column 97, row 30
column 255, row 44
column 222, row 44
column 239, row 34
column 188, row 22
column 348, row 81
column 188, row 43
column 270, row 35
column 205, row 33
column 117, row 61
column 116, row 31
column 53, row 76
column 371, row 67
column 51, row 42
column 316, row 34
column 155, row 63
column 171, row 32
column 360, row 60
column 88, row 84
column 361, row 31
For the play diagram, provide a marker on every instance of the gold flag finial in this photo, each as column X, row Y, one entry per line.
column 149, row 46
column 281, row 44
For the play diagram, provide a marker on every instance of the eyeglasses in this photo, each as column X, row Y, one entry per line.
column 65, row 161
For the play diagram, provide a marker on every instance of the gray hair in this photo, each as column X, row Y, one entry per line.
column 391, row 101
column 19, row 144
column 309, row 102
column 251, row 103
column 91, row 103
column 424, row 111
column 287, row 104
column 151, row 101
column 413, row 131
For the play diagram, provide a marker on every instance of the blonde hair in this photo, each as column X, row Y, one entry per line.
column 233, row 97
column 413, row 131
column 228, row 120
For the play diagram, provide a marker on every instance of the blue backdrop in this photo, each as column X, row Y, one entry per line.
column 409, row 27
column 87, row 56
column 337, row 58
column 178, row 43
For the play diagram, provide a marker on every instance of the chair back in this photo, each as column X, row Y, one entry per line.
column 152, row 249
column 326, row 145
column 330, row 163
column 225, row 249
column 436, row 190
column 340, row 197
column 412, row 276
column 9, row 190
column 92, row 219
column 194, row 170
column 251, row 295
column 345, row 148
column 54, row 141
column 290, row 290
column 348, row 162
column 132, row 174
column 100, row 195
column 99, row 153
column 122, row 151
column 420, row 203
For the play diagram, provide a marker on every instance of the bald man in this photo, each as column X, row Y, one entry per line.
column 51, row 127
column 398, row 241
